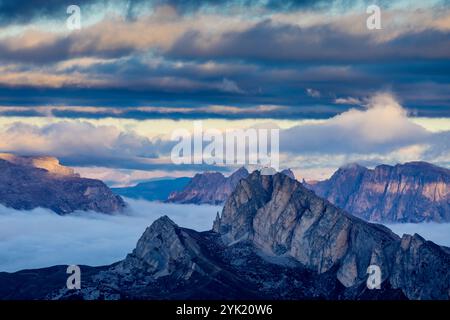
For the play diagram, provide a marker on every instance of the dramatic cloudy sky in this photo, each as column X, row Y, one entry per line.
column 106, row 98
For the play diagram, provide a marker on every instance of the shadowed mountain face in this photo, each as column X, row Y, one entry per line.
column 274, row 240
column 30, row 182
column 212, row 187
column 208, row 188
column 412, row 192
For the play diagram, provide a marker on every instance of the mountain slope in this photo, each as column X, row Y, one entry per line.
column 274, row 240
column 208, row 188
column 30, row 182
column 410, row 192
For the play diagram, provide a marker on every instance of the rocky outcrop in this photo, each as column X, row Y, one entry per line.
column 208, row 188
column 411, row 192
column 30, row 182
column 274, row 240
column 421, row 269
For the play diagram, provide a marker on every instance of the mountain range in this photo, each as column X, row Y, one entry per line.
column 31, row 182
column 204, row 188
column 212, row 187
column 410, row 192
column 208, row 188
column 275, row 239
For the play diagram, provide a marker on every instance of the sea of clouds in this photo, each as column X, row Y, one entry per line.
column 40, row 238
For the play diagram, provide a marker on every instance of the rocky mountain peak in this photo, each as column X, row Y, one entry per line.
column 352, row 166
column 239, row 174
column 251, row 194
column 30, row 182
column 165, row 249
column 51, row 164
column 162, row 247
column 289, row 173
column 283, row 219
column 208, row 188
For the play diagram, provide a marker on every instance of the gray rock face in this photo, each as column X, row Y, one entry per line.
column 208, row 188
column 283, row 218
column 421, row 262
column 30, row 182
column 274, row 240
column 164, row 249
column 412, row 192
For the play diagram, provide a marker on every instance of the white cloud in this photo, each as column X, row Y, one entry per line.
column 348, row 100
column 40, row 238
column 78, row 141
column 381, row 127
column 380, row 131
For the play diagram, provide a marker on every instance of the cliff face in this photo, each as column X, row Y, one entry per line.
column 30, row 182
column 412, row 192
column 274, row 240
column 283, row 218
column 208, row 188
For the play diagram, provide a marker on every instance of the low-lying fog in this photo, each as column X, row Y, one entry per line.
column 41, row 238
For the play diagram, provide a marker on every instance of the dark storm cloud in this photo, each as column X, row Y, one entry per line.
column 26, row 11
column 422, row 85
column 322, row 44
column 188, row 6
column 261, row 43
column 60, row 49
column 268, row 63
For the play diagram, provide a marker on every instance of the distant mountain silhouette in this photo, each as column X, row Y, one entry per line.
column 208, row 188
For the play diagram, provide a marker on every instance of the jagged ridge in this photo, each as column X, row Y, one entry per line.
column 410, row 192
